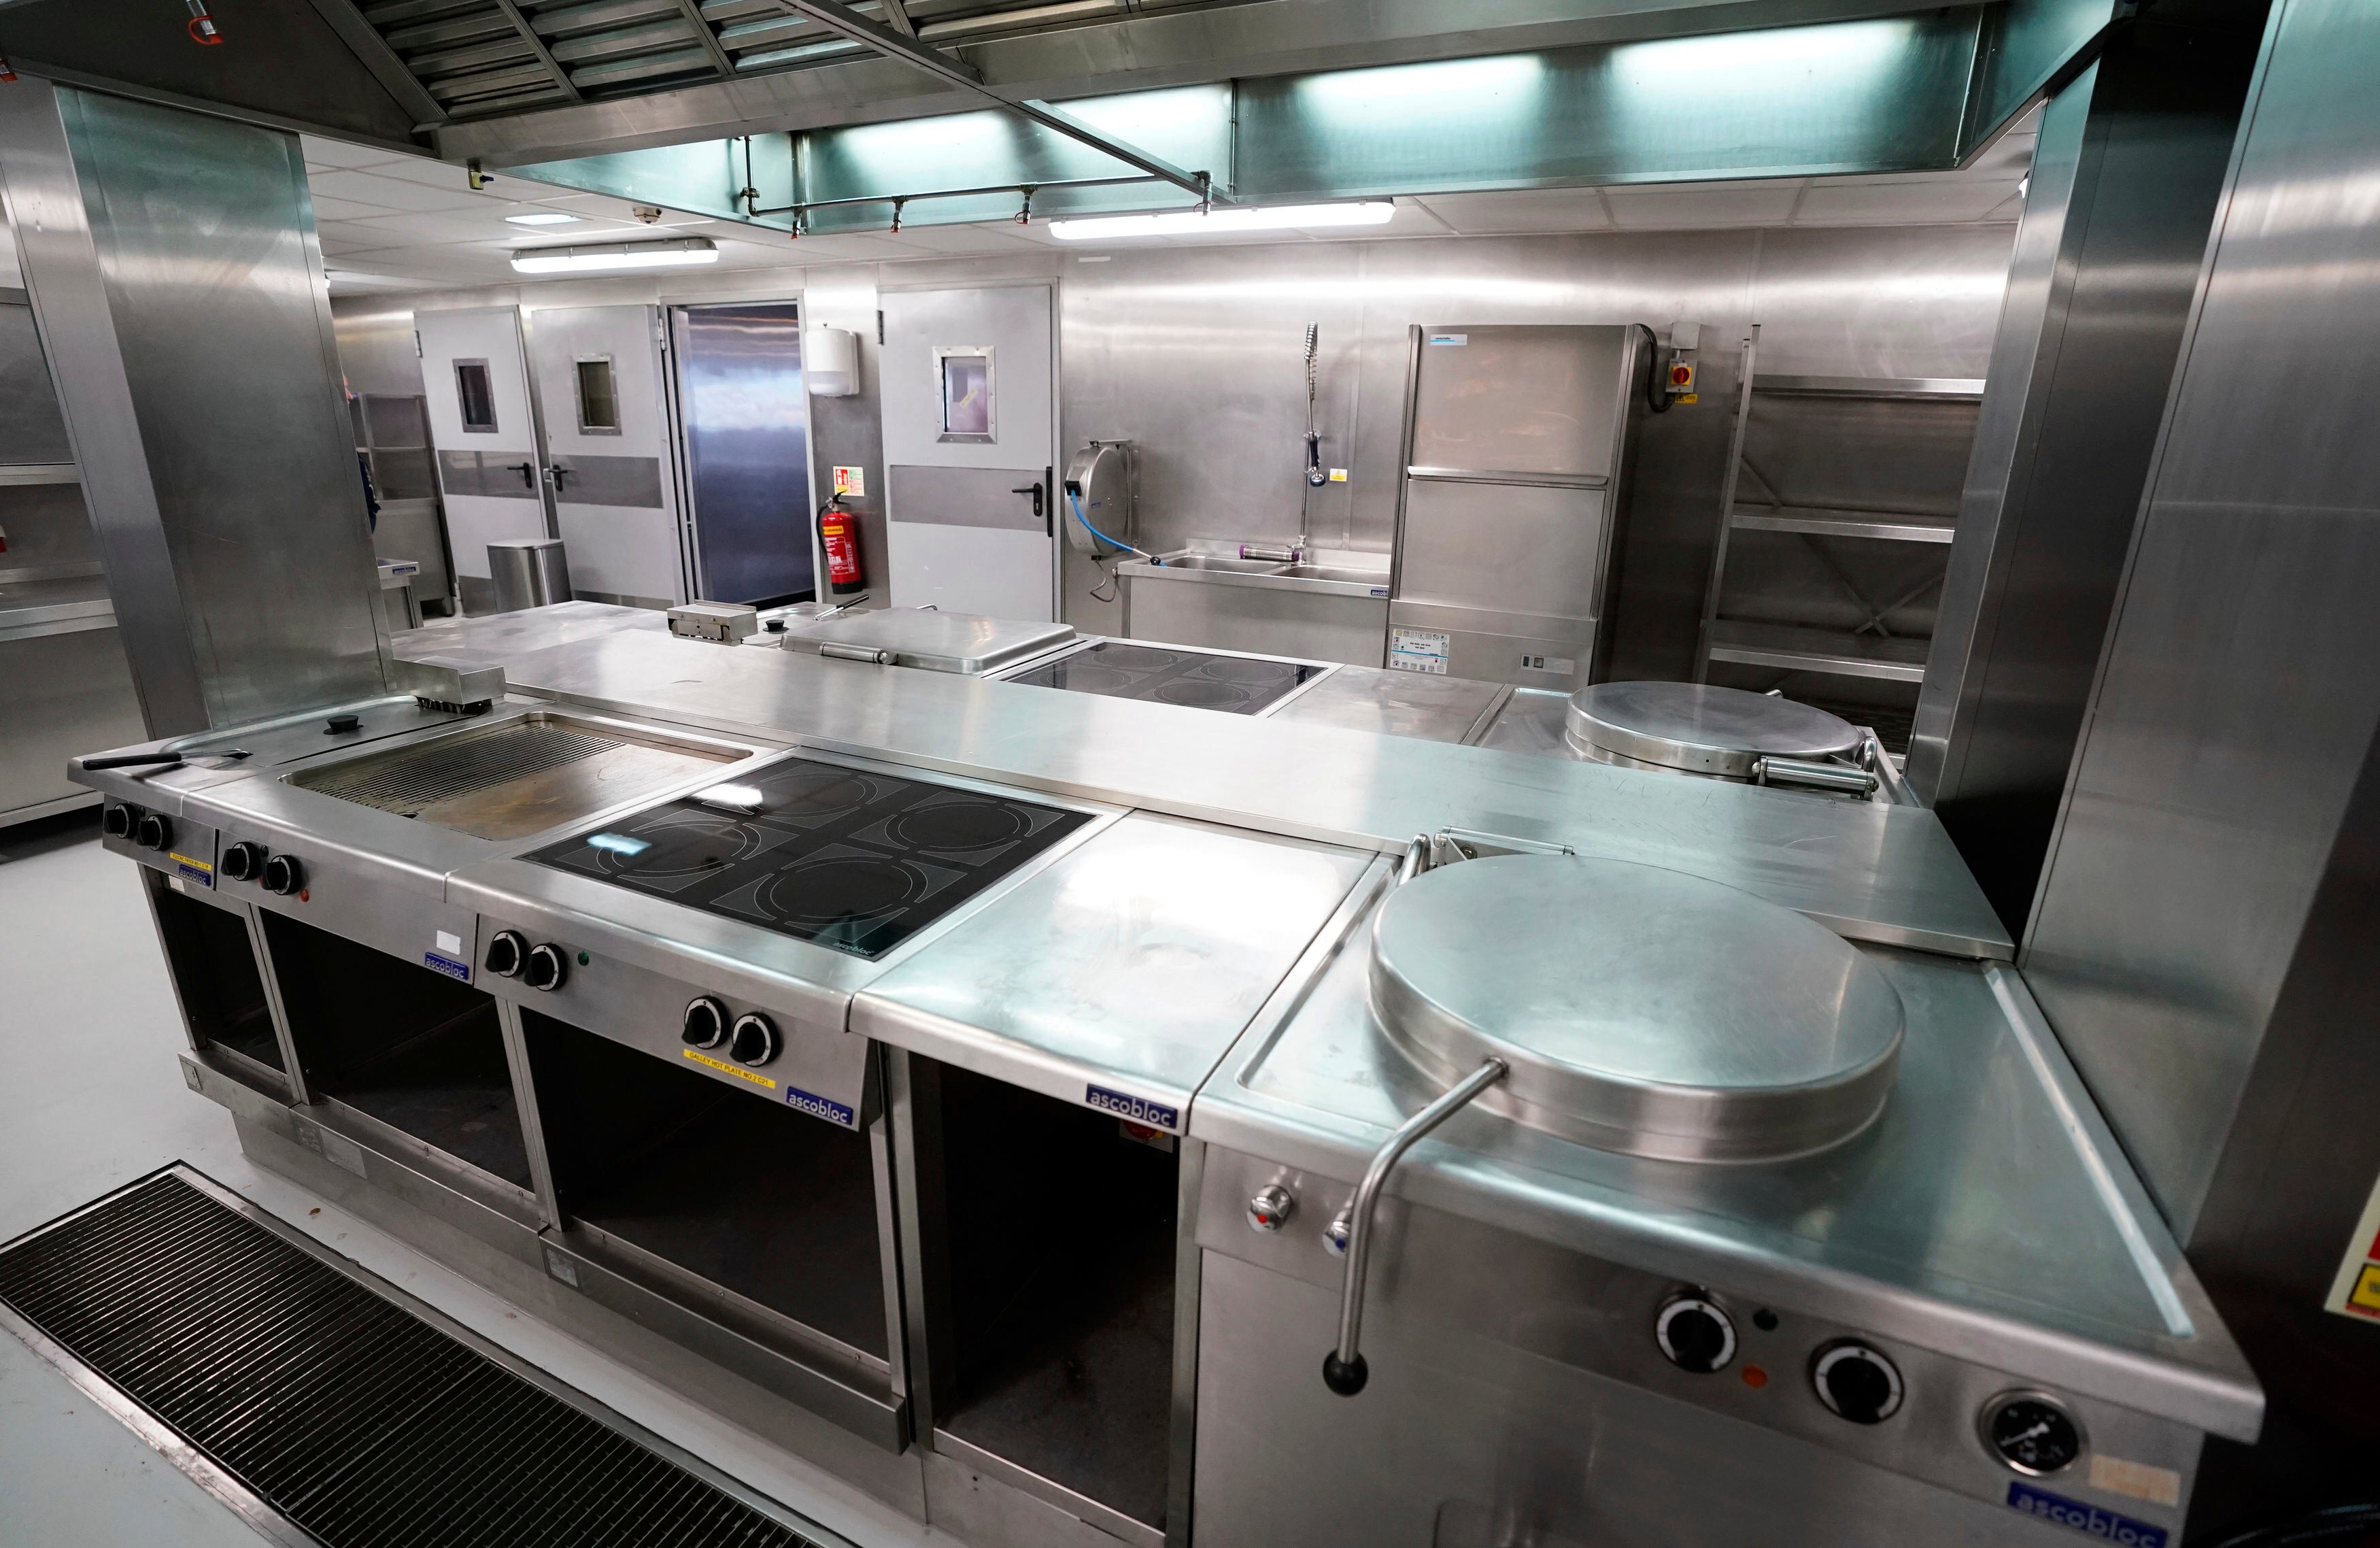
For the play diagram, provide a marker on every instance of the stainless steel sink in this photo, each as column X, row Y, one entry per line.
column 1334, row 572
column 1221, row 563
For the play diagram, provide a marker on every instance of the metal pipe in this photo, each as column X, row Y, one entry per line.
column 1024, row 188
column 1816, row 775
column 1416, row 859
column 1343, row 1371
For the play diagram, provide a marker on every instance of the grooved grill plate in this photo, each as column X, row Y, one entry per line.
column 356, row 1420
column 406, row 782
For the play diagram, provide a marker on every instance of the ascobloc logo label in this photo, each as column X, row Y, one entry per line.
column 447, row 965
column 2083, row 1517
column 820, row 1107
column 1140, row 1110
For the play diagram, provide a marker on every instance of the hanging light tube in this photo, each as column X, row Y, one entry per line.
column 1190, row 223
column 605, row 256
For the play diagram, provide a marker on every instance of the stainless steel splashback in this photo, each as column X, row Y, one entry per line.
column 173, row 272
column 2201, row 939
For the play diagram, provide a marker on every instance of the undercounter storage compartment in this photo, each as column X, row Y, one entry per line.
column 216, row 976
column 400, row 1043
column 1054, row 1279
column 708, row 1185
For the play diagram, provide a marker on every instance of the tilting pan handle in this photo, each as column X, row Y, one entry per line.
column 1343, row 1371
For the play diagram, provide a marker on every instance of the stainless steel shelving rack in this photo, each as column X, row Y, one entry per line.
column 1867, row 650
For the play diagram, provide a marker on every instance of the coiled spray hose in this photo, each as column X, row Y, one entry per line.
column 1315, row 477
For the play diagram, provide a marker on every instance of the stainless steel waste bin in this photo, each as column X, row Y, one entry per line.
column 528, row 572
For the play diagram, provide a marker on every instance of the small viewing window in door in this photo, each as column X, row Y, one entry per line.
column 965, row 376
column 475, row 392
column 598, row 400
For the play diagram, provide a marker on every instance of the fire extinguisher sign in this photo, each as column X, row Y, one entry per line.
column 851, row 480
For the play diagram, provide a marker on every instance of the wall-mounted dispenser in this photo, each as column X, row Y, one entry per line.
column 831, row 360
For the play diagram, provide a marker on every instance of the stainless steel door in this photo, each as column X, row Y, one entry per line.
column 484, row 427
column 598, row 372
column 969, row 421
column 745, row 420
column 1516, row 447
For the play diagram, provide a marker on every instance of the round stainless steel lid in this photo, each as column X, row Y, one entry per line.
column 1700, row 729
column 1641, row 1010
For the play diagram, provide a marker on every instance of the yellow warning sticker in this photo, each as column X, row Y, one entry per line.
column 723, row 1067
column 2366, row 1293
column 193, row 864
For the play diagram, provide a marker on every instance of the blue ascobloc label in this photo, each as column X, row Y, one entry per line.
column 1140, row 1110
column 447, row 965
column 2088, row 1518
column 820, row 1107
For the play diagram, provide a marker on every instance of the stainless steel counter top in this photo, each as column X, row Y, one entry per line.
column 1988, row 1213
column 1397, row 704
column 496, row 638
column 1869, row 871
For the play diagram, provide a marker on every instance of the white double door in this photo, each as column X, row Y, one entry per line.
column 970, row 430
column 483, row 427
column 561, row 429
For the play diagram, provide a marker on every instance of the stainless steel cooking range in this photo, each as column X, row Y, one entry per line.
column 1082, row 1116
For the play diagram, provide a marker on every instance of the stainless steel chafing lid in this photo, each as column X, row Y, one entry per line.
column 962, row 642
column 1641, row 1010
column 1701, row 728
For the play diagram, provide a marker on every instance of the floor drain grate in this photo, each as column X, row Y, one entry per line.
column 359, row 1420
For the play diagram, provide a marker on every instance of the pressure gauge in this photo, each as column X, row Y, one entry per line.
column 2030, row 1432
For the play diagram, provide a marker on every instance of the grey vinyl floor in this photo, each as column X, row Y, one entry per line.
column 89, row 1098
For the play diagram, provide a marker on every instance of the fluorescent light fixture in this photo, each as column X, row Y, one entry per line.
column 615, row 255
column 547, row 217
column 1190, row 223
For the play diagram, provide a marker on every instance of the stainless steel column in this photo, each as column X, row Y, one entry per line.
column 2203, row 941
column 175, row 275
column 2125, row 177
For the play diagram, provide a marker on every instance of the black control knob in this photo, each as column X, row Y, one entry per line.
column 1857, row 1383
column 507, row 954
column 755, row 1040
column 282, row 877
column 117, row 821
column 1697, row 1336
column 243, row 862
column 339, row 726
column 706, row 1022
column 153, row 832
column 545, row 968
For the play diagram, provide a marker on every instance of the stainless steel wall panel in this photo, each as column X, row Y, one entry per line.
column 172, row 263
column 60, row 694
column 2125, row 179
column 31, row 426
column 2241, row 687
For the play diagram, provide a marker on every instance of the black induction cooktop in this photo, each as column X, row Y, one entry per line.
column 856, row 860
column 1169, row 675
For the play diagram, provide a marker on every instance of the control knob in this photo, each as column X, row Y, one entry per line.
column 283, row 876
column 117, row 821
column 153, row 832
column 754, row 1041
column 1695, row 1335
column 706, row 1022
column 243, row 862
column 1271, row 1207
column 1857, row 1381
column 507, row 954
column 545, row 968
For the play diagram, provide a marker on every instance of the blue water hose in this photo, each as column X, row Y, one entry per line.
column 1076, row 500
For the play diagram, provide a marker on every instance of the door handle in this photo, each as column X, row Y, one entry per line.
column 1033, row 490
column 557, row 473
column 528, row 470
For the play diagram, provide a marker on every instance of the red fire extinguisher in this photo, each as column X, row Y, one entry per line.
column 839, row 535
